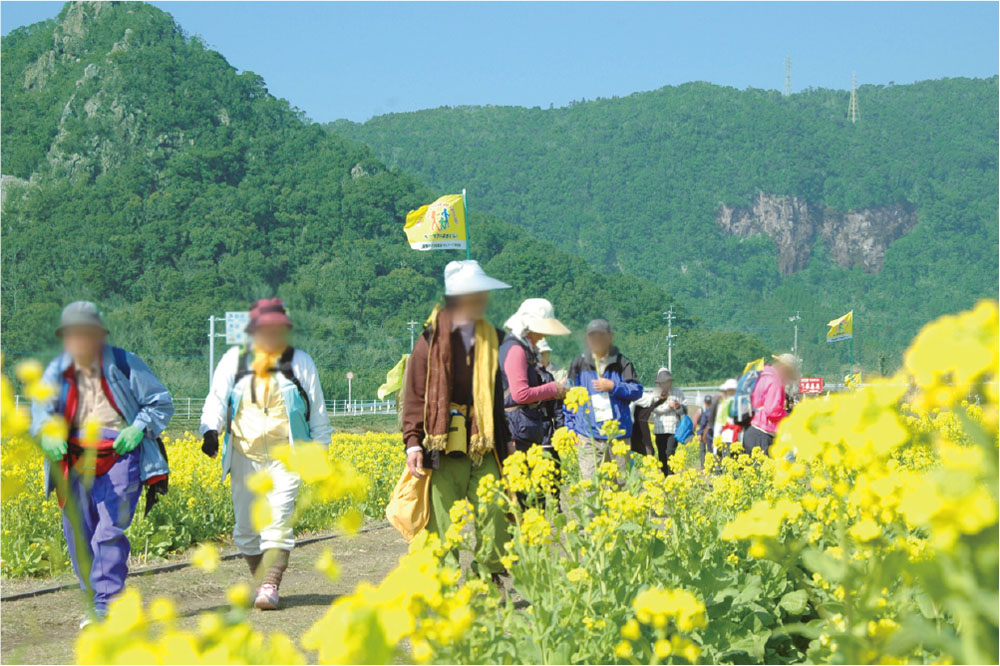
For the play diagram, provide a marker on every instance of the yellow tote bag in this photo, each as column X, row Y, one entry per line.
column 409, row 507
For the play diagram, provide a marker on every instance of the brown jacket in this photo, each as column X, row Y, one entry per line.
column 461, row 393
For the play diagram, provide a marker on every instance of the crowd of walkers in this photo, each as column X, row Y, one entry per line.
column 472, row 394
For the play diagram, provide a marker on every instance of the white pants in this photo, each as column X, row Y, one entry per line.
column 278, row 533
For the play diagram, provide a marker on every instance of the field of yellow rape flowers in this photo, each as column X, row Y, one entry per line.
column 198, row 507
column 869, row 536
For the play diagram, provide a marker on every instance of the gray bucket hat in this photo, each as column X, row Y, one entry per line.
column 80, row 313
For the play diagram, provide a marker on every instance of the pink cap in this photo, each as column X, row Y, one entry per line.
column 268, row 311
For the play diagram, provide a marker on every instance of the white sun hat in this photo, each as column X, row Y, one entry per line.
column 535, row 315
column 728, row 385
column 468, row 277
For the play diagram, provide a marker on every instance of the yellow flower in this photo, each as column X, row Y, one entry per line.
column 576, row 397
column 631, row 630
column 239, row 595
column 206, row 557
column 865, row 530
column 260, row 482
column 623, row 650
column 327, row 565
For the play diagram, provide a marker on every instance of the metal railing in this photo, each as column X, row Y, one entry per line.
column 187, row 411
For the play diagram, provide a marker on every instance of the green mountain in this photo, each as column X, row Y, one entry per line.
column 747, row 205
column 142, row 171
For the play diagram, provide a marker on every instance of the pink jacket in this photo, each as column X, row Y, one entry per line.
column 768, row 401
column 516, row 368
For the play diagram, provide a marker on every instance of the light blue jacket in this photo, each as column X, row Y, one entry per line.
column 144, row 402
column 225, row 395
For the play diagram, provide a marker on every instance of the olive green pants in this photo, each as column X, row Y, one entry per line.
column 458, row 479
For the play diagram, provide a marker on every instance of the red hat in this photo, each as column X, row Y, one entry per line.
column 268, row 311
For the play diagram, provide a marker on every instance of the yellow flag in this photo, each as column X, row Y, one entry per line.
column 393, row 379
column 757, row 365
column 438, row 226
column 841, row 328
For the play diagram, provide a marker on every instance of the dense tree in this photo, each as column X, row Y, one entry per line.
column 143, row 172
column 634, row 184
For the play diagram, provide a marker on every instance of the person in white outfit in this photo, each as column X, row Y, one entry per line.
column 262, row 397
column 666, row 405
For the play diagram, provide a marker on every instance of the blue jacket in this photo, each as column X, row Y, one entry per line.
column 626, row 390
column 144, row 402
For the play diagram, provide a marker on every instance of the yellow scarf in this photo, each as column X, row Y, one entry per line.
column 263, row 365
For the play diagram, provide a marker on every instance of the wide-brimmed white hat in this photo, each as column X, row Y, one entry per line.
column 535, row 315
column 468, row 277
column 542, row 346
column 728, row 385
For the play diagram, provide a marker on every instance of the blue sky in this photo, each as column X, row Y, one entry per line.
column 356, row 60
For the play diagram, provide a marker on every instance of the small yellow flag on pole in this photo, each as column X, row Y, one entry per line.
column 841, row 328
column 439, row 225
column 757, row 365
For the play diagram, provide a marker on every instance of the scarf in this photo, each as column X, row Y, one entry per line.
column 263, row 365
column 437, row 401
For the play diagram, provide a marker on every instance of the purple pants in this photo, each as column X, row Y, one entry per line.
column 105, row 511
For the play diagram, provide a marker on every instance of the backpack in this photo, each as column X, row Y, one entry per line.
column 740, row 409
column 685, row 429
column 284, row 367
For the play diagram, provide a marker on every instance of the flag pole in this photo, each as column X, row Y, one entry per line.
column 468, row 245
column 852, row 353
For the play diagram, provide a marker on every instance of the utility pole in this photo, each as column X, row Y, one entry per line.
column 795, row 344
column 212, row 335
column 852, row 107
column 788, row 75
column 669, row 316
column 412, row 325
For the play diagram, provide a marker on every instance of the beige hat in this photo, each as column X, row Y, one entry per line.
column 790, row 361
column 535, row 315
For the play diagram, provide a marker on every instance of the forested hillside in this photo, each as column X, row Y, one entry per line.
column 142, row 171
column 746, row 205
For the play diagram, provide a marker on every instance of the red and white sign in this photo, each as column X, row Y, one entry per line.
column 350, row 375
column 811, row 385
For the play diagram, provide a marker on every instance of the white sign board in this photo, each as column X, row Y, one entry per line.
column 350, row 375
column 236, row 324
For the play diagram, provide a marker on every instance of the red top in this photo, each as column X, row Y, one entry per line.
column 515, row 366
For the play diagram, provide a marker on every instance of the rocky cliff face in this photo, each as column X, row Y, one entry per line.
column 855, row 238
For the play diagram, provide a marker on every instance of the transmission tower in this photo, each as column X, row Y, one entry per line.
column 788, row 75
column 852, row 108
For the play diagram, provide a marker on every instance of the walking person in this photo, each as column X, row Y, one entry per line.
column 545, row 362
column 262, row 397
column 666, row 404
column 112, row 393
column 530, row 392
column 610, row 379
column 725, row 431
column 454, row 425
column 768, row 400
column 706, row 421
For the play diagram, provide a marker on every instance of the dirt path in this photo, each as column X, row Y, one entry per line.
column 41, row 630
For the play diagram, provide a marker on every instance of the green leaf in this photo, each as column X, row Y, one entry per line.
column 795, row 602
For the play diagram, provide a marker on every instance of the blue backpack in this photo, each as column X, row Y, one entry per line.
column 740, row 409
column 685, row 429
